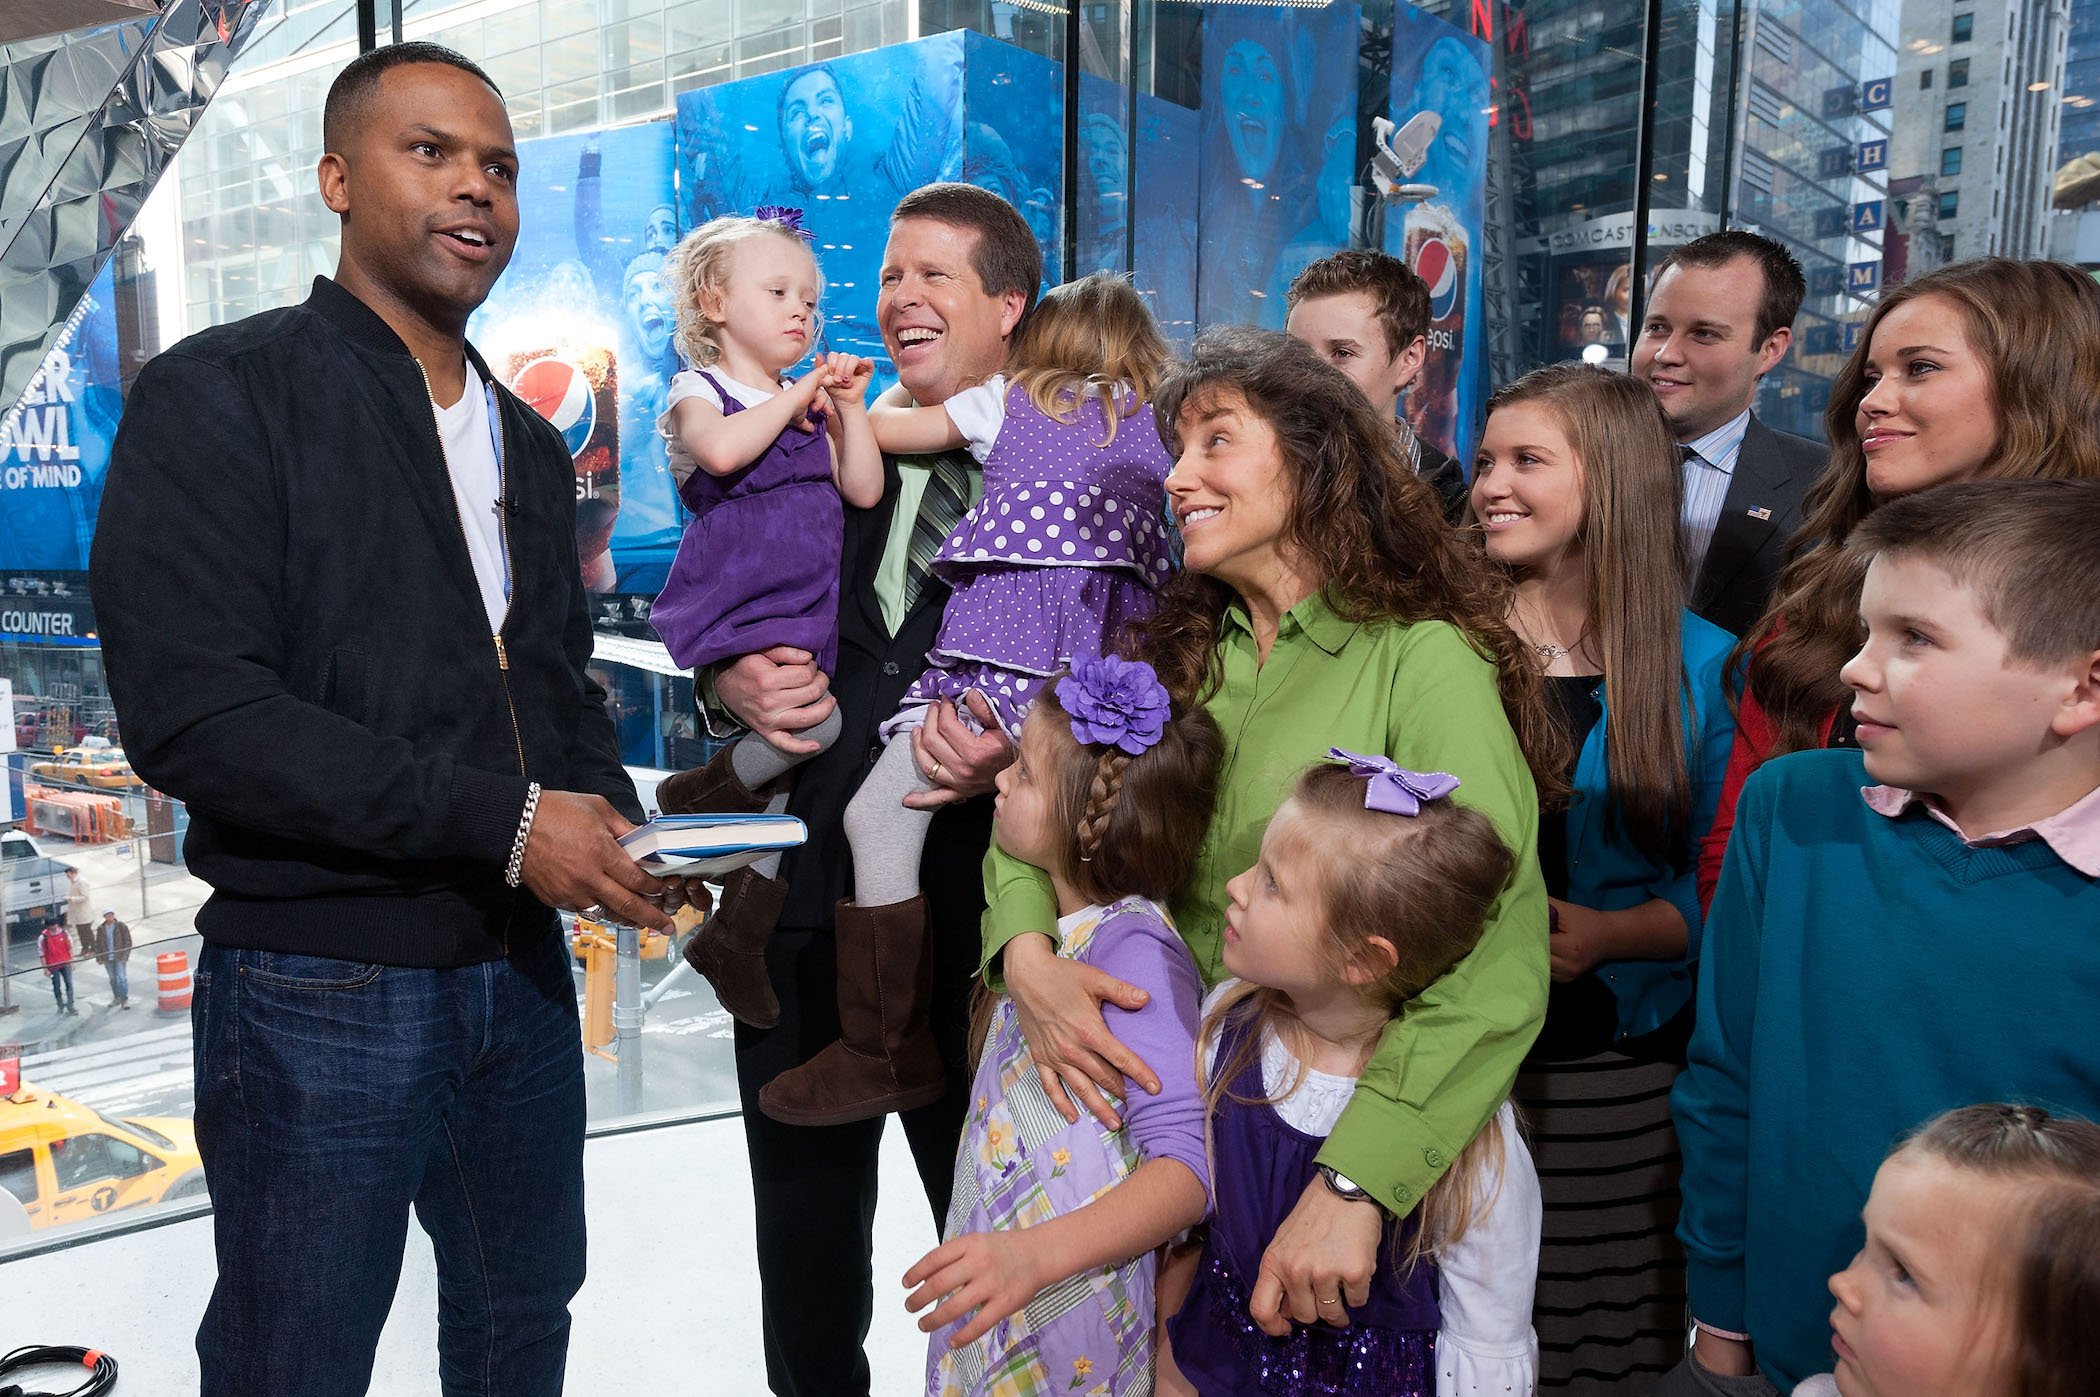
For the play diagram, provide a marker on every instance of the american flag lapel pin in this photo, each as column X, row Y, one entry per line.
column 1760, row 513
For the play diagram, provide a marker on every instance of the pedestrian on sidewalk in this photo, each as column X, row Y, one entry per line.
column 57, row 951
column 113, row 948
column 77, row 904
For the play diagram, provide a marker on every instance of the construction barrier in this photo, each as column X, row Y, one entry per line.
column 174, row 971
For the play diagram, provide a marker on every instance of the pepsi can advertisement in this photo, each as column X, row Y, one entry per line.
column 581, row 327
column 1440, row 69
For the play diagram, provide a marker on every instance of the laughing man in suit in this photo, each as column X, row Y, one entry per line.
column 1721, row 318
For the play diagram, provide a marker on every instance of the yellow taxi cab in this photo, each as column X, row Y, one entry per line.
column 101, row 767
column 64, row 1162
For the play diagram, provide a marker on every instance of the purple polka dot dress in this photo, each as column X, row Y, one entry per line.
column 1067, row 546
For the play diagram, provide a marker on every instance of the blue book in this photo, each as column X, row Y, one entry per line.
column 707, row 846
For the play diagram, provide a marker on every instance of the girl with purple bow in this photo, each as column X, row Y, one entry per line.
column 1370, row 885
column 758, row 566
column 1044, row 1283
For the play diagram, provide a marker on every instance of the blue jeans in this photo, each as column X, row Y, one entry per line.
column 334, row 1096
column 62, row 985
column 120, row 980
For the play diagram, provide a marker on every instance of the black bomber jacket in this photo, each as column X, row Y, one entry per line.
column 298, row 648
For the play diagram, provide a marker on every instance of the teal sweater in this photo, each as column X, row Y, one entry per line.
column 1859, row 975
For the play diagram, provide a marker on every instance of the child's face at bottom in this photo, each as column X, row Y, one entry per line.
column 1919, row 1313
column 1942, row 706
column 1276, row 913
column 1023, row 814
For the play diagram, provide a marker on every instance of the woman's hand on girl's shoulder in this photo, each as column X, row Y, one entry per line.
column 1058, row 1003
column 993, row 1273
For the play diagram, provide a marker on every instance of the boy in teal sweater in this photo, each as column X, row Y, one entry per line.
column 1904, row 929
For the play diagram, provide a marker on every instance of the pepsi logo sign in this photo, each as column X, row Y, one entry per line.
column 560, row 392
column 1439, row 272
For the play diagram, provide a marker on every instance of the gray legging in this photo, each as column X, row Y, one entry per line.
column 887, row 837
column 757, row 761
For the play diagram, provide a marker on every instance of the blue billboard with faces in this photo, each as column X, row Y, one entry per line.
column 1440, row 69
column 1278, row 109
column 844, row 140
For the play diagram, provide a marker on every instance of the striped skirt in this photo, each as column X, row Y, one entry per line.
column 1610, row 1308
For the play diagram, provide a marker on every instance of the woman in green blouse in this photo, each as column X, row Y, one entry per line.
column 1324, row 603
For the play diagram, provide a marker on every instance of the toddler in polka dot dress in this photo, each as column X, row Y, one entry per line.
column 1066, row 547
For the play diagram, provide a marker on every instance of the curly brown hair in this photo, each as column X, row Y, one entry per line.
column 1360, row 520
column 2036, row 326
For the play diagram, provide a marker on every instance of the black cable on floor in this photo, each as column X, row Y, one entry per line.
column 102, row 1369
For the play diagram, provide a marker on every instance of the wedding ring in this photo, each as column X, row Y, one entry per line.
column 936, row 771
column 1333, row 1300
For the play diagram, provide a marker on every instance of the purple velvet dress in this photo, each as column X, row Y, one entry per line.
column 1067, row 546
column 1261, row 1166
column 758, row 565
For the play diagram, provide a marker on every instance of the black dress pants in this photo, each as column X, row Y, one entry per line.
column 815, row 1185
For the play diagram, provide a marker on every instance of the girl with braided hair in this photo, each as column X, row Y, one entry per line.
column 1044, row 1283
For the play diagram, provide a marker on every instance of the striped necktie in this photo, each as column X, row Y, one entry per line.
column 940, row 510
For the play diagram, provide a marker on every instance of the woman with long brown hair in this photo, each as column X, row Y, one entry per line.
column 1324, row 602
column 1576, row 494
column 1982, row 370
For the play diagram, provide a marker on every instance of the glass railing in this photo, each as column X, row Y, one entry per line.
column 96, row 1088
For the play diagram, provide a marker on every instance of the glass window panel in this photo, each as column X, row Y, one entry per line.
column 1958, row 73
column 1957, row 115
column 1964, row 28
column 1950, row 160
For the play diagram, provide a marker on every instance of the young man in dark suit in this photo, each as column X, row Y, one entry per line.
column 959, row 272
column 1721, row 318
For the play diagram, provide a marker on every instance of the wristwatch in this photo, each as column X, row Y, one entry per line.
column 1342, row 1186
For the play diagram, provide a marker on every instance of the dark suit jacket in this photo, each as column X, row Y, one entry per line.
column 1772, row 473
column 874, row 669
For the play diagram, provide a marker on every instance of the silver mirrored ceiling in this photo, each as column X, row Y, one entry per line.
column 88, row 122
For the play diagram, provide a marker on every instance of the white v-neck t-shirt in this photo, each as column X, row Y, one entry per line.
column 477, row 483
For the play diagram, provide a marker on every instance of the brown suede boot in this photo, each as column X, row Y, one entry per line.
column 730, row 946
column 885, row 1059
column 714, row 789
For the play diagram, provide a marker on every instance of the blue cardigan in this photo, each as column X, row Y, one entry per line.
column 1606, row 872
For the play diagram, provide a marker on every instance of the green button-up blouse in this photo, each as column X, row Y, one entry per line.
column 1422, row 695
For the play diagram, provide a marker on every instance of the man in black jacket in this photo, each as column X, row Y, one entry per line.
column 960, row 270
column 1720, row 318
column 337, row 578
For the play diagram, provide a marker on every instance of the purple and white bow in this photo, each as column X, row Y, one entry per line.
column 1392, row 788
column 787, row 217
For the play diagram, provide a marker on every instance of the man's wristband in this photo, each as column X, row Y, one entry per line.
column 514, row 871
column 715, row 716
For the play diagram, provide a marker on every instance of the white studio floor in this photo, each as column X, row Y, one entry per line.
column 642, row 1324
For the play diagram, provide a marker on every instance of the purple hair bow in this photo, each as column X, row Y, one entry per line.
column 1392, row 788
column 786, row 217
column 1115, row 702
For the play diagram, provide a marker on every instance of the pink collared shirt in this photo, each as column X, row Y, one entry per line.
column 2072, row 834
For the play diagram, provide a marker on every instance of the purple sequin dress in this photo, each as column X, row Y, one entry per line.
column 1261, row 1167
column 1067, row 547
column 758, row 565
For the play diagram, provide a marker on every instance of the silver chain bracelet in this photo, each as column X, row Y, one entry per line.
column 515, row 869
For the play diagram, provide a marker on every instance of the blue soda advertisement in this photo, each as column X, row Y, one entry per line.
column 581, row 326
column 1279, row 107
column 54, row 446
column 1439, row 69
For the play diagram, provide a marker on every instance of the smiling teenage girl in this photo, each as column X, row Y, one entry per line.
column 1979, row 370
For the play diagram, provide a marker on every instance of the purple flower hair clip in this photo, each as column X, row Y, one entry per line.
column 788, row 218
column 1115, row 702
column 1392, row 788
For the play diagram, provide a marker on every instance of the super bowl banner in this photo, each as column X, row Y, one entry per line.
column 54, row 446
column 1278, row 153
column 581, row 325
column 1440, row 69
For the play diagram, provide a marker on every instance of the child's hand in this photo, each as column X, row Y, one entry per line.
column 993, row 1273
column 805, row 391
column 850, row 375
